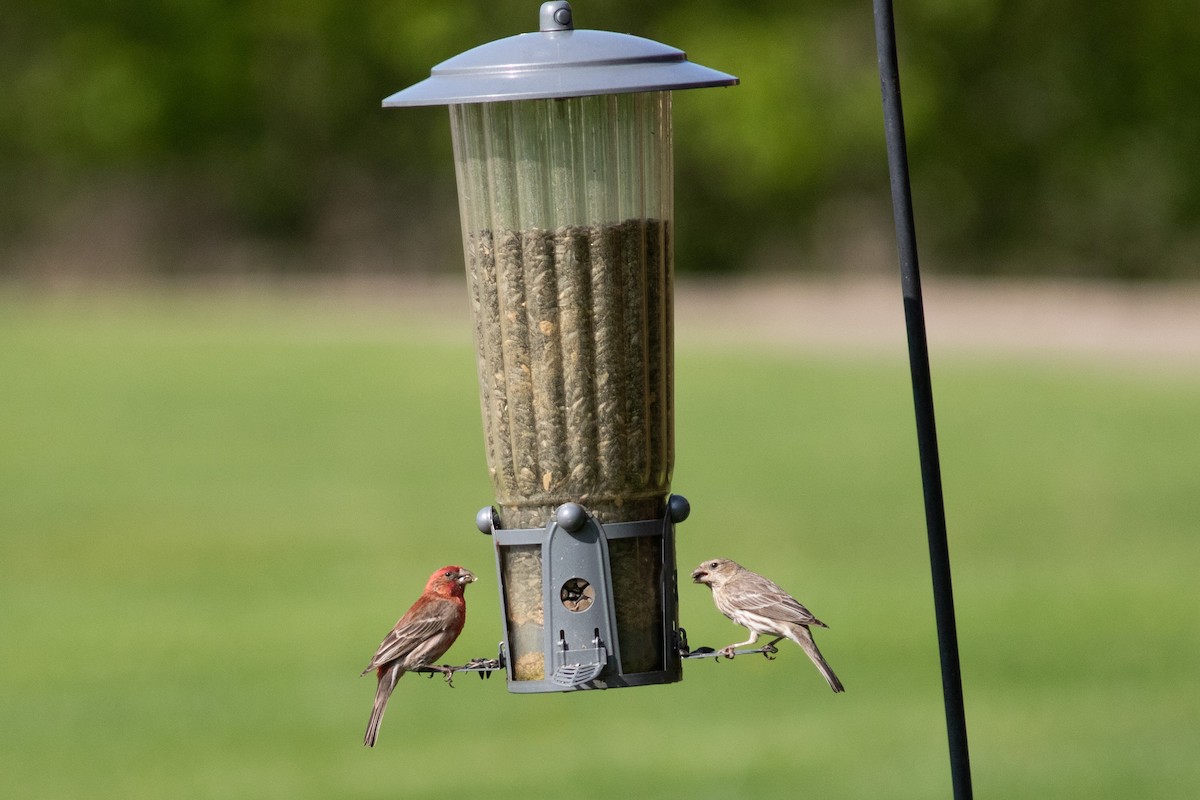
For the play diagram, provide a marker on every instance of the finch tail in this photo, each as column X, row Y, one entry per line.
column 387, row 682
column 801, row 636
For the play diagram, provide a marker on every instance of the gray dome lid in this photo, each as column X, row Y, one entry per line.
column 558, row 61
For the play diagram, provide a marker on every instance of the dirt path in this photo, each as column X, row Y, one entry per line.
column 1098, row 323
column 1119, row 324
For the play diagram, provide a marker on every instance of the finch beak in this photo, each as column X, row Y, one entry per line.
column 698, row 576
column 466, row 576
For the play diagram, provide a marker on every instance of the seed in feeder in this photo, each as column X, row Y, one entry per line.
column 573, row 330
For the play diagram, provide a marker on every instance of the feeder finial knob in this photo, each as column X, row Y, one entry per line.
column 571, row 516
column 678, row 508
column 556, row 16
column 487, row 520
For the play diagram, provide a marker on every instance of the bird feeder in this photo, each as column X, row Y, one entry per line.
column 563, row 156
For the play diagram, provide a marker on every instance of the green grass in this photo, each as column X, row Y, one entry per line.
column 213, row 507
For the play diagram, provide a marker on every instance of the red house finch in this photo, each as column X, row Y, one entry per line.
column 761, row 606
column 422, row 635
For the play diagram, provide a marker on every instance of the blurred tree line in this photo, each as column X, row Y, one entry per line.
column 197, row 135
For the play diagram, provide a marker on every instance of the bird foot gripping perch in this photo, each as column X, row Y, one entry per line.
column 768, row 651
column 484, row 667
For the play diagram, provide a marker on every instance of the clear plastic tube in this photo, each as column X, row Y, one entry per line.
column 566, row 209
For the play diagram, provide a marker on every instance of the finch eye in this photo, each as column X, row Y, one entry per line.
column 713, row 565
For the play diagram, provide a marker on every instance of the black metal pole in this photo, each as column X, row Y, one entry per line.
column 918, row 356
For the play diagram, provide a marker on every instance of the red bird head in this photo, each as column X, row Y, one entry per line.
column 449, row 581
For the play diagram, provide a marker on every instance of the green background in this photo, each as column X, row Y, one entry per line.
column 215, row 504
column 206, row 136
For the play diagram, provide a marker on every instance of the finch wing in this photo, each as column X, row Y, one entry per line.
column 763, row 596
column 422, row 623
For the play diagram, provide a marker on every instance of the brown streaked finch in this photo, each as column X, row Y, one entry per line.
column 760, row 606
column 421, row 636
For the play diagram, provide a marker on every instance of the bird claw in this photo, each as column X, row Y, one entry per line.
column 728, row 652
column 445, row 670
column 769, row 652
